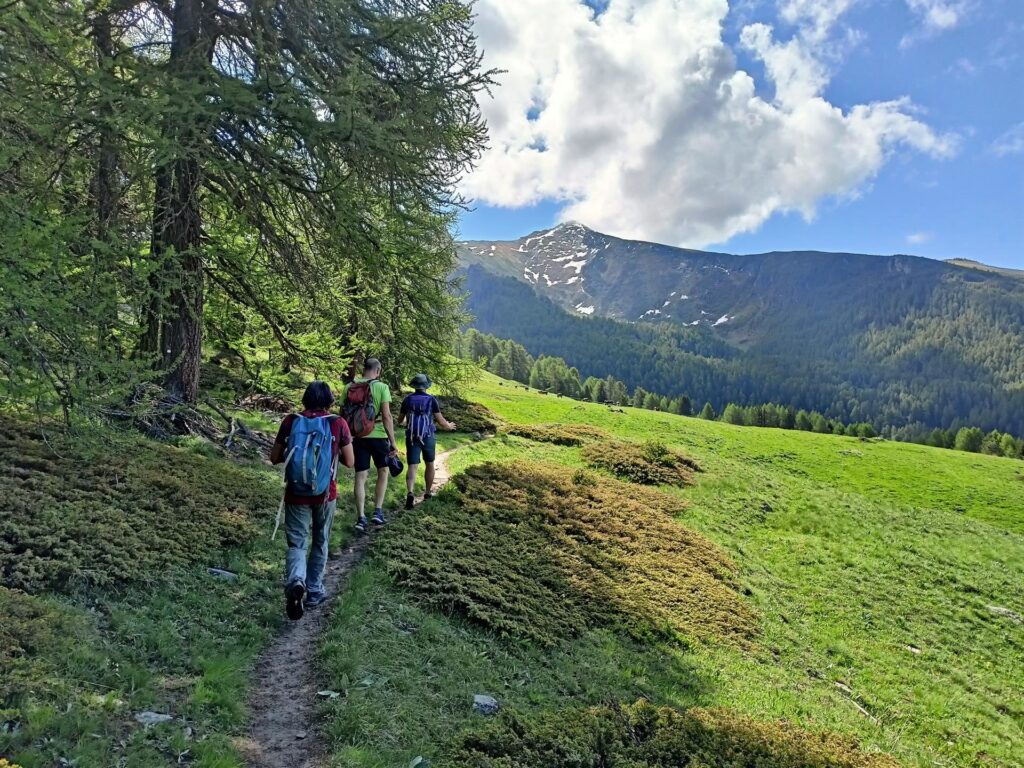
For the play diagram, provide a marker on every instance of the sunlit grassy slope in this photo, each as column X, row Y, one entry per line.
column 886, row 579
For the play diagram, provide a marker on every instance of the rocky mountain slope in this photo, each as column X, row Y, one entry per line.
column 942, row 340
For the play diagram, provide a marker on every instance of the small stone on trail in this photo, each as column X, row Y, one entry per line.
column 300, row 735
column 151, row 718
column 913, row 649
column 220, row 573
column 485, row 705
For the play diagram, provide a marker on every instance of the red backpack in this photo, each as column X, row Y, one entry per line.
column 358, row 409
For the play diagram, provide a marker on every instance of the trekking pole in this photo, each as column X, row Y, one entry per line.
column 280, row 508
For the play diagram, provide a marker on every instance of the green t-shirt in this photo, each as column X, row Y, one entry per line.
column 381, row 393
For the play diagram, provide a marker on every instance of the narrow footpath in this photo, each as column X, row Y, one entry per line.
column 282, row 697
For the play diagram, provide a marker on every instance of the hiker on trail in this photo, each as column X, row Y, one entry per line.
column 419, row 413
column 366, row 405
column 311, row 444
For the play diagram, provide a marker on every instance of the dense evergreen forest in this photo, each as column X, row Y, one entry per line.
column 929, row 371
column 274, row 183
column 510, row 360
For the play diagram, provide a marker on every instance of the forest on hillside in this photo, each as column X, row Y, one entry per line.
column 270, row 183
column 931, row 370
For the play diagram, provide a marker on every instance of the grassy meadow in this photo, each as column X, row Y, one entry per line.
column 733, row 596
column 884, row 579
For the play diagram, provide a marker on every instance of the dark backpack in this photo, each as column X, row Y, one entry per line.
column 310, row 465
column 358, row 409
column 421, row 418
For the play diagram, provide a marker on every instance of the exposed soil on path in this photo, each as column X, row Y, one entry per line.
column 282, row 697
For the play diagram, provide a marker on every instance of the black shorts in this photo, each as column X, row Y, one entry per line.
column 366, row 448
column 426, row 450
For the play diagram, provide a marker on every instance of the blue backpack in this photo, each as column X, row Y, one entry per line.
column 421, row 418
column 310, row 466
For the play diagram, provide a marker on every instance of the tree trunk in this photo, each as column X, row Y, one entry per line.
column 106, row 191
column 174, row 317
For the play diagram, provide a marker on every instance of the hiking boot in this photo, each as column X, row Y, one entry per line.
column 293, row 601
column 362, row 524
column 428, row 495
column 317, row 599
column 378, row 518
column 410, row 501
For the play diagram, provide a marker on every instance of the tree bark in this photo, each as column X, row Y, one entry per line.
column 174, row 321
column 106, row 189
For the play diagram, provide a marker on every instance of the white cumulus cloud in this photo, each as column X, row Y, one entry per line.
column 642, row 124
column 935, row 16
column 919, row 238
column 1011, row 142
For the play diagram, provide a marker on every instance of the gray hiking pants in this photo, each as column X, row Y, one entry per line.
column 308, row 527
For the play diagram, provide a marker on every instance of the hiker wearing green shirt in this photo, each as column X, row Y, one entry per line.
column 366, row 405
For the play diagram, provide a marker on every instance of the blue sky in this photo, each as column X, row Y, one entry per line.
column 956, row 192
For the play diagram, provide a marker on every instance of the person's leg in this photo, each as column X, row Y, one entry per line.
column 323, row 517
column 410, row 477
column 429, row 455
column 360, row 491
column 382, row 488
column 412, row 457
column 379, row 450
column 428, row 478
column 362, row 467
column 297, row 520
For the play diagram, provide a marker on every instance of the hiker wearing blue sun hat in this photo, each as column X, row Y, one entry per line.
column 419, row 413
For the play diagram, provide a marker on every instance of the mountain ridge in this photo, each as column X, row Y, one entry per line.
column 896, row 339
column 583, row 270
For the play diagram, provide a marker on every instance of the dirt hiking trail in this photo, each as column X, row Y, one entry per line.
column 282, row 696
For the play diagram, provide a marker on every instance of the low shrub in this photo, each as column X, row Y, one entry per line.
column 645, row 736
column 30, row 631
column 469, row 417
column 545, row 553
column 560, row 434
column 649, row 463
column 118, row 510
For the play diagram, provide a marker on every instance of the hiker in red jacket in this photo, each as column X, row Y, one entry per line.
column 311, row 444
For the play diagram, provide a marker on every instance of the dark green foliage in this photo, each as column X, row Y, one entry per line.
column 708, row 412
column 29, row 632
column 110, row 512
column 551, row 374
column 645, row 736
column 558, row 434
column 468, row 417
column 734, row 414
column 649, row 463
column 542, row 553
column 969, row 439
column 926, row 346
column 501, row 357
column 277, row 179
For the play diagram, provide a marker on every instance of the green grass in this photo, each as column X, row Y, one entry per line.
column 873, row 567
column 107, row 606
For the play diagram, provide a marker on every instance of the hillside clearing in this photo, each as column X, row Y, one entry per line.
column 874, row 568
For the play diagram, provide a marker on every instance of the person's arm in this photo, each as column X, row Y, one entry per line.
column 347, row 458
column 277, row 452
column 445, row 424
column 389, row 424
